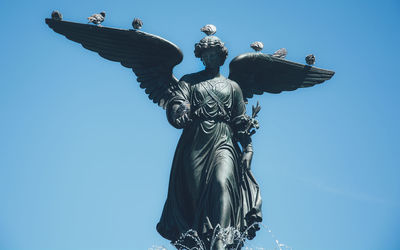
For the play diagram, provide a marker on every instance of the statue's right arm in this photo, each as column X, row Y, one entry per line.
column 178, row 108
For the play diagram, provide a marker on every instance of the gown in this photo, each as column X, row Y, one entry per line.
column 207, row 185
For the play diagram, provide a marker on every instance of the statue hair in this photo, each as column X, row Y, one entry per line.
column 211, row 42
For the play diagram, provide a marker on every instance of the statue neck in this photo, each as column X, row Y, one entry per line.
column 211, row 72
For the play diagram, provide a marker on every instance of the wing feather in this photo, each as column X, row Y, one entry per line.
column 151, row 58
column 257, row 73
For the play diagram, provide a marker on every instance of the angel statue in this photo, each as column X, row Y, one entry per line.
column 211, row 185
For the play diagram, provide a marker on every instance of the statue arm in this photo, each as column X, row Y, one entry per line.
column 241, row 124
column 178, row 108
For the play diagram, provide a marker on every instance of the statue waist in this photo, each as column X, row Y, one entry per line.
column 219, row 113
column 205, row 116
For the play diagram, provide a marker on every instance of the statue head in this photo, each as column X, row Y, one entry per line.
column 212, row 51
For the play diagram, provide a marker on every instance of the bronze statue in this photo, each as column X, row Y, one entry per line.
column 211, row 185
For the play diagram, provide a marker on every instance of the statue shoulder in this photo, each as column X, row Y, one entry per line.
column 191, row 78
column 234, row 85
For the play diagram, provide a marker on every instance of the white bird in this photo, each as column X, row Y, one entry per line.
column 97, row 18
column 280, row 53
column 209, row 29
column 257, row 46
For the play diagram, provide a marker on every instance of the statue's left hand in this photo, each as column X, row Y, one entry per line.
column 246, row 160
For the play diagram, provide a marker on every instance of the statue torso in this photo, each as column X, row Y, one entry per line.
column 210, row 98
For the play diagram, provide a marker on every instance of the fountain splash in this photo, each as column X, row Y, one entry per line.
column 231, row 238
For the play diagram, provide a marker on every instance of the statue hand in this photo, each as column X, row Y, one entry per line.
column 246, row 160
column 182, row 121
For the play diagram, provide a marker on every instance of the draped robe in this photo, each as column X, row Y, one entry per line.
column 207, row 185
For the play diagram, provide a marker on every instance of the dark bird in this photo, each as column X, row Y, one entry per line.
column 137, row 24
column 209, row 29
column 310, row 59
column 280, row 53
column 257, row 46
column 97, row 18
column 56, row 15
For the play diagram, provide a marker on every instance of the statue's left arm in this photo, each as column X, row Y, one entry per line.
column 241, row 124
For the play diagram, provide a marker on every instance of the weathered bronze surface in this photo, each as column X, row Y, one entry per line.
column 211, row 184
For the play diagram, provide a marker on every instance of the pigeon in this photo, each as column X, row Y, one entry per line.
column 97, row 18
column 310, row 59
column 209, row 29
column 257, row 46
column 56, row 15
column 280, row 53
column 137, row 24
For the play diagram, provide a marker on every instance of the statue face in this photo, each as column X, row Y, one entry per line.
column 210, row 58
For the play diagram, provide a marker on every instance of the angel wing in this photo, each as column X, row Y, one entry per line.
column 257, row 73
column 151, row 58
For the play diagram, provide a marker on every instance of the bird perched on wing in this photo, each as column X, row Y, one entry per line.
column 209, row 29
column 97, row 18
column 56, row 15
column 257, row 46
column 310, row 59
column 137, row 24
column 280, row 53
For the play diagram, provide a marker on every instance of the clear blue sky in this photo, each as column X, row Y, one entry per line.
column 85, row 156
